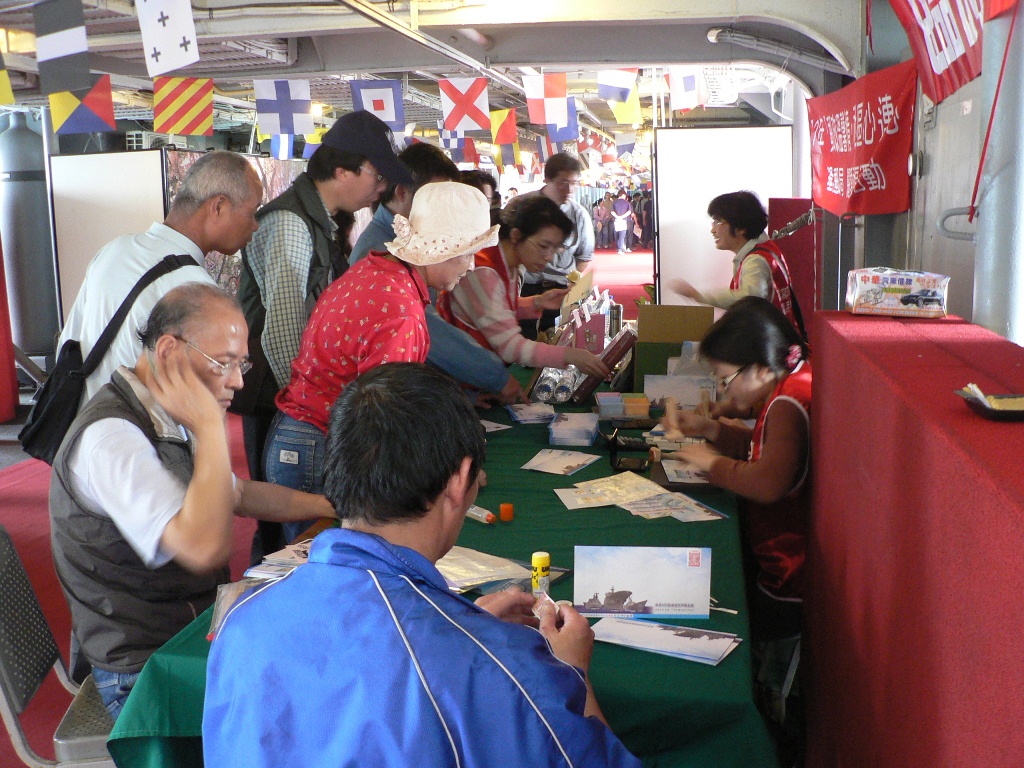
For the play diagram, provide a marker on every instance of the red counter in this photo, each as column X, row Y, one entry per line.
column 915, row 607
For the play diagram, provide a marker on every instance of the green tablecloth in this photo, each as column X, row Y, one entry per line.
column 670, row 712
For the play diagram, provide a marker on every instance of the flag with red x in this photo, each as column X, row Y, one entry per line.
column 464, row 104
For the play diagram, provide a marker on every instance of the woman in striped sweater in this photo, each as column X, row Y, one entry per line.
column 486, row 302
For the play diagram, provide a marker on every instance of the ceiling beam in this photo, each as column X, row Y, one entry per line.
column 386, row 20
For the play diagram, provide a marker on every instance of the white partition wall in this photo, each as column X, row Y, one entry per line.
column 95, row 199
column 693, row 165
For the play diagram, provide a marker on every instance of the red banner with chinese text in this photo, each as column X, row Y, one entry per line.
column 994, row 8
column 945, row 36
column 860, row 139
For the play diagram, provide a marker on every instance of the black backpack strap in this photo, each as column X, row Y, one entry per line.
column 167, row 265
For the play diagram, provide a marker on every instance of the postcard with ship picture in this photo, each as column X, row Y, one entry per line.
column 642, row 582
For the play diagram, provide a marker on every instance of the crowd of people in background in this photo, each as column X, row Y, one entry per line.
column 624, row 220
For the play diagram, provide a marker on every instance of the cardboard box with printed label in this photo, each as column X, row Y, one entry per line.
column 661, row 330
column 883, row 291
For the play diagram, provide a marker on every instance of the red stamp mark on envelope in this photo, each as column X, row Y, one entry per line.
column 694, row 558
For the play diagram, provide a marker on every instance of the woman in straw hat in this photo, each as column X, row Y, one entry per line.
column 373, row 315
column 486, row 303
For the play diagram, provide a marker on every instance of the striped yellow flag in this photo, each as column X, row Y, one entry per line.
column 183, row 105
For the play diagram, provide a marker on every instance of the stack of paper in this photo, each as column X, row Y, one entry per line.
column 573, row 429
column 677, row 505
column 700, row 645
column 656, row 437
column 560, row 462
column 465, row 569
column 462, row 568
column 534, row 413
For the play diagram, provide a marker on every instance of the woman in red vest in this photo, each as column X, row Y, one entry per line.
column 486, row 302
column 738, row 222
column 757, row 357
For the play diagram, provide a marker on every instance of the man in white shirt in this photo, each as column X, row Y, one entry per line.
column 214, row 210
column 142, row 494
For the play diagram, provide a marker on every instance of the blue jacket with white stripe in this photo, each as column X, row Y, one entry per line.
column 364, row 657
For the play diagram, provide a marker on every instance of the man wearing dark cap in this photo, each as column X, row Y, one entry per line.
column 294, row 256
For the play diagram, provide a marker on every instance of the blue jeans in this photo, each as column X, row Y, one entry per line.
column 294, row 458
column 620, row 240
column 114, row 688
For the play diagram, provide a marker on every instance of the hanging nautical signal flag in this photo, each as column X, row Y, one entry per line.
column 582, row 142
column 6, row 92
column 545, row 149
column 536, row 166
column 608, row 153
column 284, row 106
column 62, row 50
column 282, row 146
column 683, row 87
column 90, row 110
column 627, row 112
column 450, row 139
column 382, row 98
column 568, row 132
column 464, row 104
column 183, row 105
column 168, row 35
column 313, row 141
column 503, row 126
column 624, row 143
column 547, row 98
column 616, row 84
column 510, row 154
column 465, row 152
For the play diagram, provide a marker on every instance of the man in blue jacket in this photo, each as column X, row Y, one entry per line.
column 363, row 656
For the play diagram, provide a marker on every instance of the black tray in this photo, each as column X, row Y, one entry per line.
column 993, row 414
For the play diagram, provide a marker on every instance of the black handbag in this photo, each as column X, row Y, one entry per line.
column 59, row 398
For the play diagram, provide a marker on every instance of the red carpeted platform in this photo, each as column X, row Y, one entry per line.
column 914, row 604
column 624, row 276
column 24, row 489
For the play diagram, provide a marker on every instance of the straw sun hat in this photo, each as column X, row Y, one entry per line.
column 447, row 219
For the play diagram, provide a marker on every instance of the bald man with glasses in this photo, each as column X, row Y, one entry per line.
column 142, row 494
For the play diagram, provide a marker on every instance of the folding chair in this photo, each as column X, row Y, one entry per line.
column 27, row 653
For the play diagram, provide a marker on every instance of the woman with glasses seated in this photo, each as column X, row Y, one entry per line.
column 486, row 302
column 760, row 362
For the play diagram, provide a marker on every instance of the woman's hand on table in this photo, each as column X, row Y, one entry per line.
column 699, row 455
column 679, row 423
column 511, row 605
column 587, row 362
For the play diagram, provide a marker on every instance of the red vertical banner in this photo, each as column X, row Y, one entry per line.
column 945, row 36
column 861, row 138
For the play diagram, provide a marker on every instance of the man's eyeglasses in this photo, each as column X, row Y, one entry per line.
column 723, row 384
column 221, row 369
column 373, row 172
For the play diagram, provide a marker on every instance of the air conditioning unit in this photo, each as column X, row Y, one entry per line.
column 151, row 140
